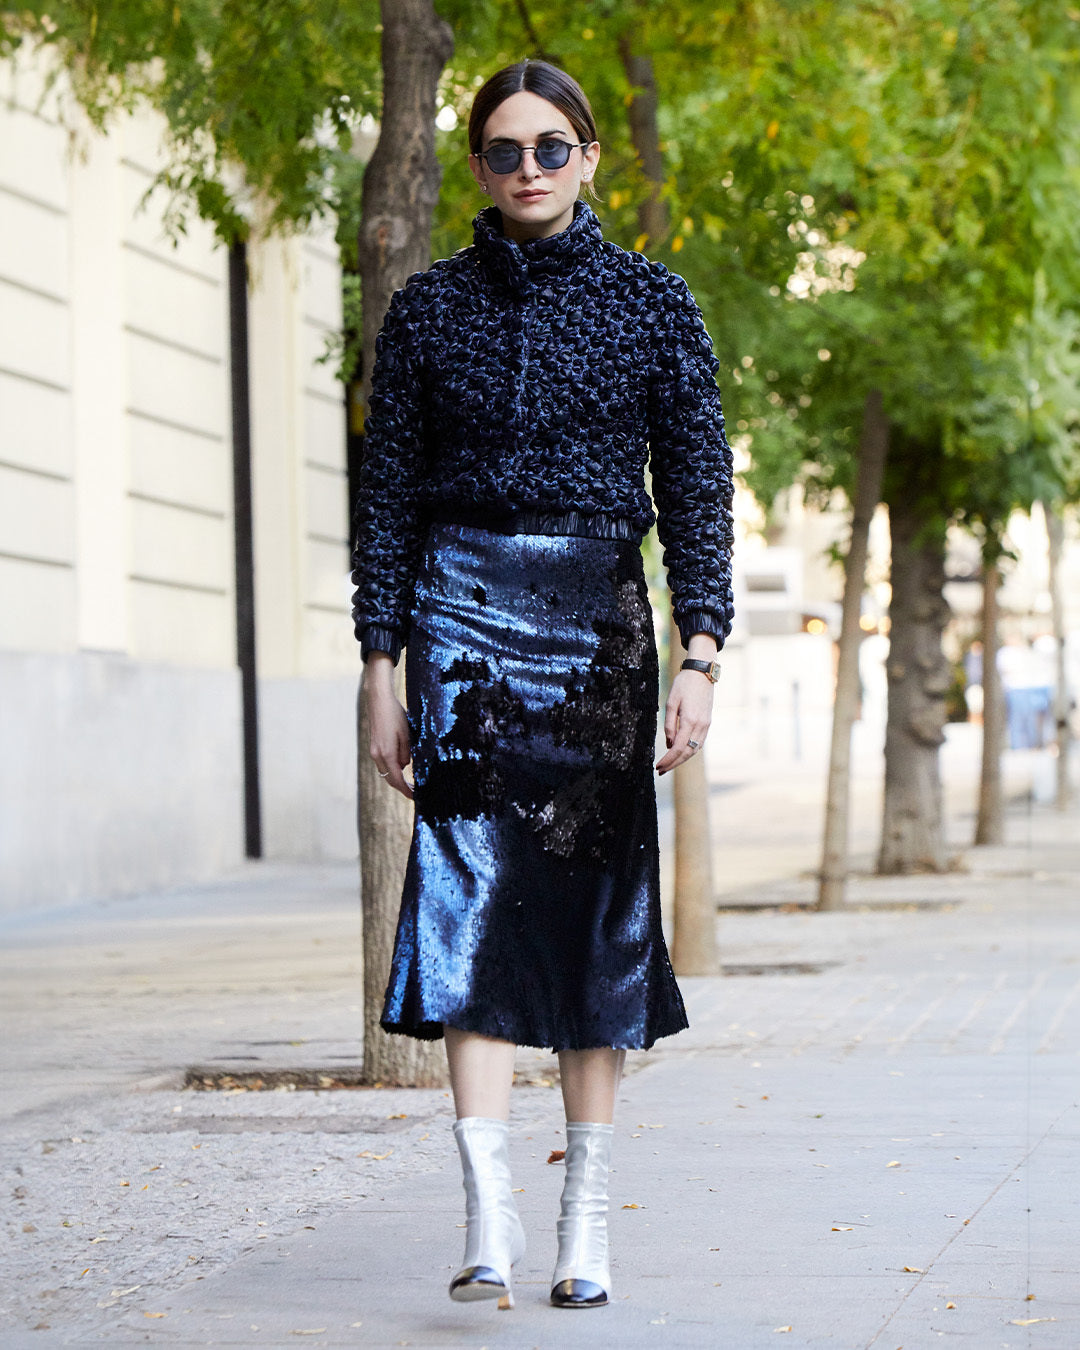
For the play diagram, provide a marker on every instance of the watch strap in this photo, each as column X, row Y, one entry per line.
column 709, row 668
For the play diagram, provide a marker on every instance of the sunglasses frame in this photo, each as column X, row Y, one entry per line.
column 550, row 140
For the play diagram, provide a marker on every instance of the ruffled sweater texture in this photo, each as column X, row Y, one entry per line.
column 529, row 388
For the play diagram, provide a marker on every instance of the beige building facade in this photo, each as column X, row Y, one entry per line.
column 122, row 758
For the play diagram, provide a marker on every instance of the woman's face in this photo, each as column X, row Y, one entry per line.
column 535, row 202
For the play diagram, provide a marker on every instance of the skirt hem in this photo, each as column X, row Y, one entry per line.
column 433, row 1031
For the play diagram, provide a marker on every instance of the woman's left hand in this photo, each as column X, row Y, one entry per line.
column 687, row 718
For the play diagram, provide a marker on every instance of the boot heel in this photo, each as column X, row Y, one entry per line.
column 507, row 1300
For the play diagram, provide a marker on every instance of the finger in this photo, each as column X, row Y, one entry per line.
column 671, row 722
column 682, row 750
column 397, row 780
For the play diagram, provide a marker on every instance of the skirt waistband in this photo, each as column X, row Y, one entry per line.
column 582, row 524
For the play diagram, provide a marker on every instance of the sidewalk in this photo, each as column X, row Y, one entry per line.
column 879, row 1124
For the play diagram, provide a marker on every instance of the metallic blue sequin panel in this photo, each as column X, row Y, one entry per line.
column 531, row 908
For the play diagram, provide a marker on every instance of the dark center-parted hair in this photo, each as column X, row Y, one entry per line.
column 547, row 82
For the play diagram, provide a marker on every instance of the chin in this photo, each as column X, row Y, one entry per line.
column 539, row 214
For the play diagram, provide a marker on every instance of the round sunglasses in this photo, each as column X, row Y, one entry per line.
column 506, row 157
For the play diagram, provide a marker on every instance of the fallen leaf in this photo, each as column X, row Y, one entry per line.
column 1030, row 1298
column 517, row 1190
column 313, row 1331
column 92, row 1240
column 1030, row 1321
column 84, row 1272
column 914, row 1270
column 950, row 1305
column 843, row 1229
column 892, row 1164
column 556, row 1155
column 125, row 1183
column 400, row 1116
column 781, row 1328
column 146, row 1314
column 633, row 1206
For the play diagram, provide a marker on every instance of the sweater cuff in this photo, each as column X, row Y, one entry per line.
column 376, row 638
column 693, row 621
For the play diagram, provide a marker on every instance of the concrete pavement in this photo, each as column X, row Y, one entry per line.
column 867, row 1138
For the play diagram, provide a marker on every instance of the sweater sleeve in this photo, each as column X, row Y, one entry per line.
column 388, row 526
column 692, row 468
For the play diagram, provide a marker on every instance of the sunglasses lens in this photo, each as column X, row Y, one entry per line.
column 553, row 154
column 503, row 158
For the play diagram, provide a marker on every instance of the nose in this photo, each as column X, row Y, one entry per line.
column 530, row 166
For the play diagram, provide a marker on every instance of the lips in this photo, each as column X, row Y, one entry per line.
column 530, row 196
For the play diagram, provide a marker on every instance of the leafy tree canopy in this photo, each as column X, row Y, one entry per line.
column 259, row 100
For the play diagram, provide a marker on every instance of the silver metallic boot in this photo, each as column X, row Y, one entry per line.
column 582, row 1278
column 494, row 1237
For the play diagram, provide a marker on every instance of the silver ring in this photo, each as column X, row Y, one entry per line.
column 694, row 745
column 385, row 775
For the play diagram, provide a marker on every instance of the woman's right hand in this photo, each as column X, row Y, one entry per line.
column 388, row 725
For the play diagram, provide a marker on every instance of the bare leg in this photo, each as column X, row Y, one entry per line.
column 590, row 1081
column 481, row 1072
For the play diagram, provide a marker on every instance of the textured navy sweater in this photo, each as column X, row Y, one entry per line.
column 526, row 388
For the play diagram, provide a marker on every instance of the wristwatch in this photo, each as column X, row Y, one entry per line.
column 709, row 668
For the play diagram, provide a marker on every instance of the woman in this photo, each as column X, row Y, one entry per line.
column 520, row 388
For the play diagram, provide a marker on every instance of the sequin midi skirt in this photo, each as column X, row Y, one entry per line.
column 531, row 906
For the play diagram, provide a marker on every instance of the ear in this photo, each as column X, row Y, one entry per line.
column 590, row 158
column 476, row 164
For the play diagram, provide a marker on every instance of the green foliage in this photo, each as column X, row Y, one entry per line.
column 858, row 202
column 258, row 99
column 865, row 196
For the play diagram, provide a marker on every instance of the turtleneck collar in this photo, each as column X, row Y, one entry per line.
column 519, row 265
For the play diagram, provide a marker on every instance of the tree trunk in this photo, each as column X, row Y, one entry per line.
column 990, row 822
column 694, row 949
column 912, row 833
column 645, row 137
column 873, row 447
column 401, row 187
column 1055, row 534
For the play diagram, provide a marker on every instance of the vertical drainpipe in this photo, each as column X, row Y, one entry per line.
column 244, row 543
